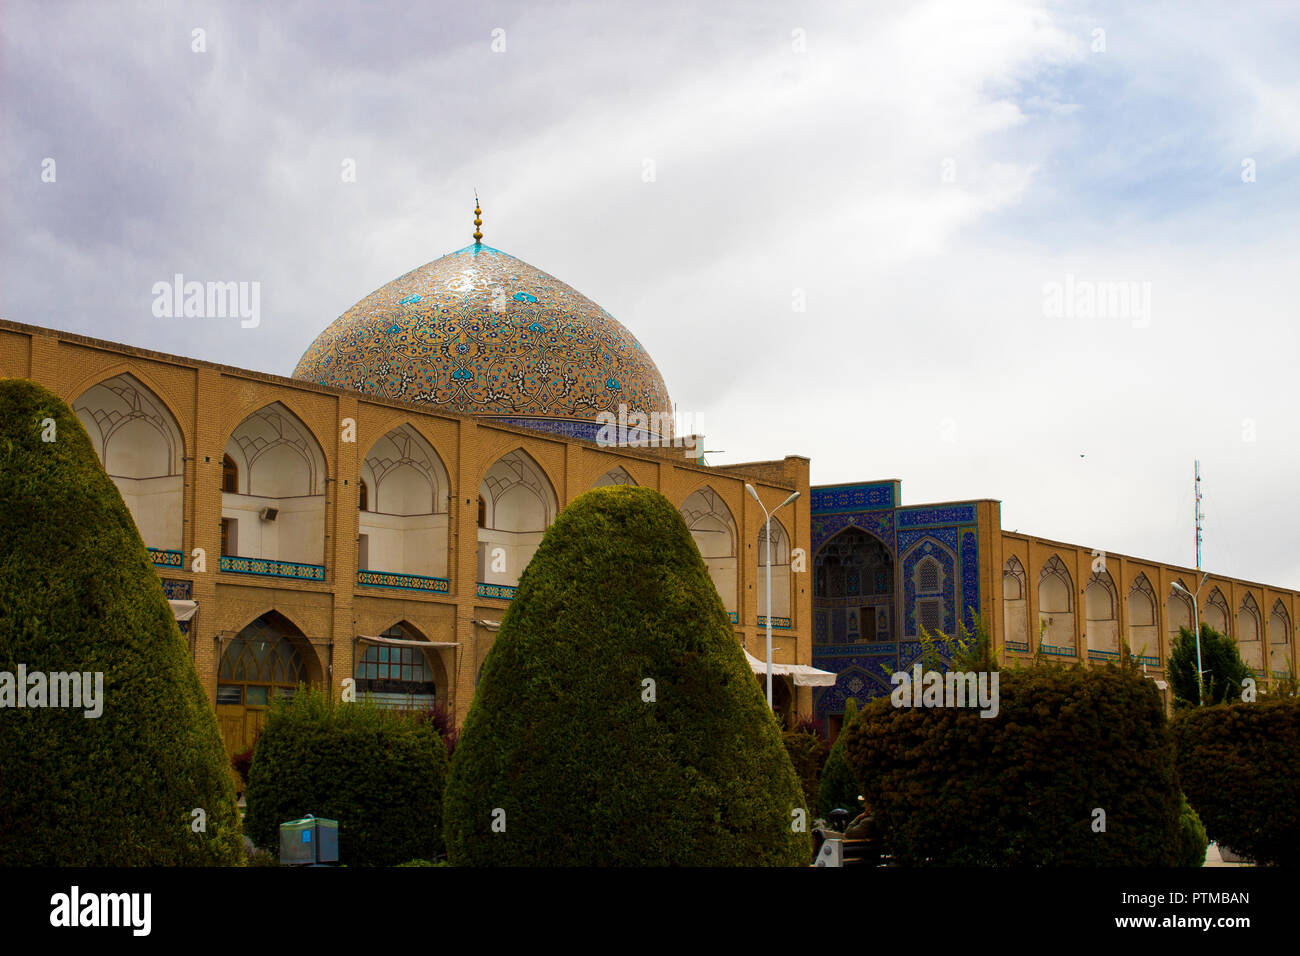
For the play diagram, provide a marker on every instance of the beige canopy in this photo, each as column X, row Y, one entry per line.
column 804, row 676
column 184, row 610
column 395, row 642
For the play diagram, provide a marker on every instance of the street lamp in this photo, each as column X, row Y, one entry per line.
column 768, row 516
column 1196, row 623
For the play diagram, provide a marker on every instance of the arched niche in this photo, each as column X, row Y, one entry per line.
column 403, row 521
column 518, row 505
column 1250, row 633
column 781, row 578
column 1143, row 621
column 278, row 511
column 615, row 476
column 1101, row 607
column 1015, row 606
column 853, row 590
column 266, row 659
column 400, row 676
column 1056, row 606
column 714, row 529
column 141, row 447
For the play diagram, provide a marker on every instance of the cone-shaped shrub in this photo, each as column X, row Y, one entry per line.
column 379, row 773
column 616, row 722
column 840, row 787
column 78, row 594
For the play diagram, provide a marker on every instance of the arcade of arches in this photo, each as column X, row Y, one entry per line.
column 314, row 558
column 325, row 527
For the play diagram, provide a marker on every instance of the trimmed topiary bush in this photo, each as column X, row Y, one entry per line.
column 949, row 787
column 1240, row 766
column 807, row 752
column 379, row 773
column 79, row 594
column 1192, row 840
column 617, row 722
column 840, row 787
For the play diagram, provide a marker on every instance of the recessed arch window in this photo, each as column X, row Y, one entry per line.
column 397, row 676
column 260, row 662
column 363, row 500
column 229, row 475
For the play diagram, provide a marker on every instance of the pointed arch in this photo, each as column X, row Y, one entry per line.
column 140, row 445
column 617, row 475
column 713, row 527
column 853, row 589
column 518, row 504
column 402, row 677
column 404, row 521
column 267, row 658
column 1215, row 612
column 1179, row 614
column 781, row 579
column 280, row 453
column 1015, row 606
column 1279, row 638
column 1056, row 607
column 1100, row 606
column 1249, row 633
column 1143, row 619
column 278, row 514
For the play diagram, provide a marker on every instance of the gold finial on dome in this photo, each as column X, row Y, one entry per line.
column 478, row 236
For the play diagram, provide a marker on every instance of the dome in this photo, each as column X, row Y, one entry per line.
column 482, row 332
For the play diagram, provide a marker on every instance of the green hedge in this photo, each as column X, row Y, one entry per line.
column 840, row 786
column 1192, row 839
column 78, row 593
column 1240, row 766
column 379, row 773
column 949, row 787
column 807, row 752
column 562, row 745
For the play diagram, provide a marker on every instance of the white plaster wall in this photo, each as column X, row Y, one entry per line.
column 297, row 534
column 1144, row 639
column 1015, row 621
column 157, row 505
column 1213, row 615
column 780, row 589
column 138, row 449
column 723, row 573
column 519, row 550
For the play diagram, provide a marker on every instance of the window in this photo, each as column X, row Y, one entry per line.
column 363, row 502
column 229, row 475
column 257, row 663
column 928, row 575
column 396, row 676
column 929, row 614
column 482, row 512
column 229, row 536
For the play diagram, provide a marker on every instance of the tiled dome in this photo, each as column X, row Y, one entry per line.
column 480, row 331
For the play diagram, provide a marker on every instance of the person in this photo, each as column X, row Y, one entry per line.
column 864, row 826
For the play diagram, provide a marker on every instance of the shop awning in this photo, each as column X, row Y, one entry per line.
column 804, row 676
column 184, row 610
column 395, row 642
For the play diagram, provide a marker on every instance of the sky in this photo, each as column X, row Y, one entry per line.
column 1009, row 249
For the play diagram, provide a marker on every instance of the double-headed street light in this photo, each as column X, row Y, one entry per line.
column 1196, row 623
column 768, row 516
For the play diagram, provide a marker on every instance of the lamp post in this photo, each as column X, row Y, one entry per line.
column 768, row 520
column 1196, row 623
